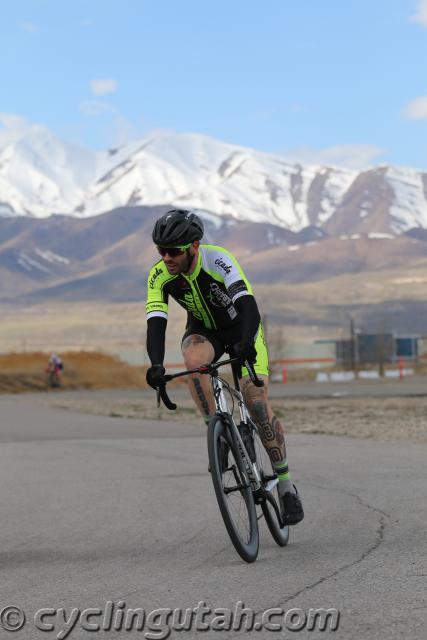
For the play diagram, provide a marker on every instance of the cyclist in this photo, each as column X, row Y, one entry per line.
column 55, row 362
column 209, row 283
column 54, row 369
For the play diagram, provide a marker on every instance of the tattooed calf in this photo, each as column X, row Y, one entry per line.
column 275, row 454
column 202, row 397
column 251, row 392
column 259, row 412
column 266, row 432
column 278, row 431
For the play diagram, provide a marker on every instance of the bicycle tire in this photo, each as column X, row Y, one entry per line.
column 270, row 504
column 233, row 491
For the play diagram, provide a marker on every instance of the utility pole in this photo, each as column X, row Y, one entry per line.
column 352, row 343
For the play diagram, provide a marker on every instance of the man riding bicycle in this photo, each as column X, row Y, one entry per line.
column 223, row 315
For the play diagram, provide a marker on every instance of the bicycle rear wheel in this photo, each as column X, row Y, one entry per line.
column 270, row 503
column 233, row 490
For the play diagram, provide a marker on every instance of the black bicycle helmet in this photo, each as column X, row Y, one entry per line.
column 176, row 228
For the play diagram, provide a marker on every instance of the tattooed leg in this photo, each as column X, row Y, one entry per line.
column 270, row 431
column 197, row 350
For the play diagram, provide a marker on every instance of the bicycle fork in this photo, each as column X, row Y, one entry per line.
column 223, row 409
column 245, row 419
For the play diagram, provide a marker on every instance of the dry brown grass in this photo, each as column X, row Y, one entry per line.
column 21, row 372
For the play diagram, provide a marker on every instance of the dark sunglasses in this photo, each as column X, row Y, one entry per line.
column 173, row 251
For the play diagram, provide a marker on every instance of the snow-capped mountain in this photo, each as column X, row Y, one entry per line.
column 40, row 175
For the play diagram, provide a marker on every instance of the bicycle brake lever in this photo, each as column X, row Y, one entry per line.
column 253, row 376
column 166, row 400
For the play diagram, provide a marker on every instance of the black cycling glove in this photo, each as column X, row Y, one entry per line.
column 155, row 375
column 245, row 350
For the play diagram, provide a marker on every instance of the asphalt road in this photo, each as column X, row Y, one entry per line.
column 410, row 386
column 97, row 510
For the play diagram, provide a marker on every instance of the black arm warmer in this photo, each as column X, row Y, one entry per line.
column 248, row 310
column 156, row 331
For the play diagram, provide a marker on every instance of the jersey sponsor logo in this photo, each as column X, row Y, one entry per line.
column 156, row 305
column 221, row 263
column 237, row 287
column 191, row 305
column 154, row 277
column 218, row 297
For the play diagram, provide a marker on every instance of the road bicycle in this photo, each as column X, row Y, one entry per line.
column 245, row 483
column 53, row 377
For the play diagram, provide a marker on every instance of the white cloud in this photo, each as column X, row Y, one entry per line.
column 123, row 131
column 102, row 87
column 30, row 27
column 111, row 125
column 13, row 121
column 352, row 156
column 417, row 109
column 421, row 15
column 95, row 108
column 12, row 128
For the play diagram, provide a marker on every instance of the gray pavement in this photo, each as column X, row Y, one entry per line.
column 410, row 386
column 98, row 509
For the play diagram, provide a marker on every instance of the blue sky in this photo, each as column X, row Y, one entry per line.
column 322, row 81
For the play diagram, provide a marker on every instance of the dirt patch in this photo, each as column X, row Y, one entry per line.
column 376, row 418
column 20, row 372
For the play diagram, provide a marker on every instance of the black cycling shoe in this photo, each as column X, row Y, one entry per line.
column 292, row 511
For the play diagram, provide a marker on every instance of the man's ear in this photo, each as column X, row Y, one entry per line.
column 196, row 244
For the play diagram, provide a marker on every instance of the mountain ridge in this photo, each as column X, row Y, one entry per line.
column 40, row 176
column 107, row 257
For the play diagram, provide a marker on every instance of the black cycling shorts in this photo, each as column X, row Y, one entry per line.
column 223, row 341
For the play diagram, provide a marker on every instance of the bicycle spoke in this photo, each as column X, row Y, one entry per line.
column 236, row 503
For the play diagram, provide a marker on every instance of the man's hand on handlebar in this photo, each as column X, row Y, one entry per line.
column 155, row 375
column 245, row 351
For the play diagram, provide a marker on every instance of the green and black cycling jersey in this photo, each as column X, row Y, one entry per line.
column 208, row 294
column 218, row 299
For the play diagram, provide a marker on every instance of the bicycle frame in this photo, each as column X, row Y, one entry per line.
column 224, row 410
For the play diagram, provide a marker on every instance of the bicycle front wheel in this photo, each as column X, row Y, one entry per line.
column 233, row 490
column 270, row 503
